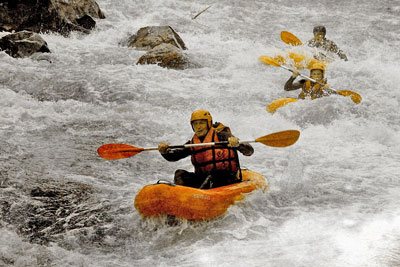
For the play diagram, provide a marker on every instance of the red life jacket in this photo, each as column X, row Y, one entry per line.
column 208, row 158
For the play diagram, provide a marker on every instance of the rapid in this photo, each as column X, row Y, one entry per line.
column 333, row 197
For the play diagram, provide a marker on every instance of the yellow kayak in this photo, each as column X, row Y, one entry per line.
column 278, row 103
column 192, row 203
column 271, row 108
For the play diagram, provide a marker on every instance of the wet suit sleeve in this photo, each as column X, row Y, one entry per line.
column 245, row 148
column 342, row 55
column 335, row 49
column 290, row 86
column 311, row 43
column 177, row 153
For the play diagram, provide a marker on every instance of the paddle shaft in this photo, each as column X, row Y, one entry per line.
column 197, row 145
column 120, row 151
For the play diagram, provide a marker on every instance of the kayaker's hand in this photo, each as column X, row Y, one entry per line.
column 295, row 73
column 327, row 88
column 233, row 142
column 163, row 148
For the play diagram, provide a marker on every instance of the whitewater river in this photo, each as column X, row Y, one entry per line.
column 333, row 198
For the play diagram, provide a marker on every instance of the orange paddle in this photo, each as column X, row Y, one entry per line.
column 121, row 151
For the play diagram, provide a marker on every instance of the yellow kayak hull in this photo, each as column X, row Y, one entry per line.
column 271, row 108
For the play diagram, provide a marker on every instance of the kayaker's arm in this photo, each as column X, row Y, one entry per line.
column 332, row 47
column 342, row 55
column 245, row 148
column 327, row 45
column 173, row 154
column 290, row 86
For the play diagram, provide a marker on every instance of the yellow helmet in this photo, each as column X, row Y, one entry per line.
column 318, row 66
column 201, row 114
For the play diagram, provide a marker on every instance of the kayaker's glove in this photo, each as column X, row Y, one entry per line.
column 295, row 73
column 163, row 148
column 233, row 142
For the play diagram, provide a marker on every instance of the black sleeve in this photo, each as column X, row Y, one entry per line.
column 245, row 148
column 290, row 86
column 177, row 153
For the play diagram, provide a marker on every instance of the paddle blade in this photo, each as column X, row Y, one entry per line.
column 118, row 151
column 354, row 96
column 280, row 139
column 269, row 61
column 290, row 39
column 271, row 108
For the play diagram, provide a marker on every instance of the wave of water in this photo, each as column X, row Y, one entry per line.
column 333, row 196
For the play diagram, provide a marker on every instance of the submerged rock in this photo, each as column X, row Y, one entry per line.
column 167, row 56
column 149, row 37
column 60, row 16
column 52, row 209
column 23, row 44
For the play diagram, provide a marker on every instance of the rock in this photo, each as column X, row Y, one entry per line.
column 52, row 210
column 149, row 37
column 86, row 22
column 60, row 16
column 167, row 56
column 23, row 44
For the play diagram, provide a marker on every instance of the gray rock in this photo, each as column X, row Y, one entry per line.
column 23, row 44
column 149, row 37
column 167, row 56
column 45, row 211
column 62, row 16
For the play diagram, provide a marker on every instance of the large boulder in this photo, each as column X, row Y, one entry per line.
column 62, row 16
column 149, row 37
column 23, row 44
column 167, row 56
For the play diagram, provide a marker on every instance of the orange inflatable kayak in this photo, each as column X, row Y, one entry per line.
column 192, row 203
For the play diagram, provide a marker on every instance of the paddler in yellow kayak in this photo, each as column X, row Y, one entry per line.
column 319, row 41
column 309, row 88
column 214, row 165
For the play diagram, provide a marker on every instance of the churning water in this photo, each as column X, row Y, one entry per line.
column 333, row 198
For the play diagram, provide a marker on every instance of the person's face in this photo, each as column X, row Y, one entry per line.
column 319, row 36
column 200, row 127
column 316, row 74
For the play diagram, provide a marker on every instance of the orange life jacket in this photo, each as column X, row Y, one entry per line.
column 315, row 90
column 208, row 158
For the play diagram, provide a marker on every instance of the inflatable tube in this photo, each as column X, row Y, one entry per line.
column 192, row 203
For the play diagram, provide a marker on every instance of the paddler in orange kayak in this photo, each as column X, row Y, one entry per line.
column 309, row 88
column 214, row 165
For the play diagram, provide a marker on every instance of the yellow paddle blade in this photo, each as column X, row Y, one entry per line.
column 271, row 108
column 280, row 139
column 269, row 61
column 280, row 59
column 290, row 38
column 354, row 96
